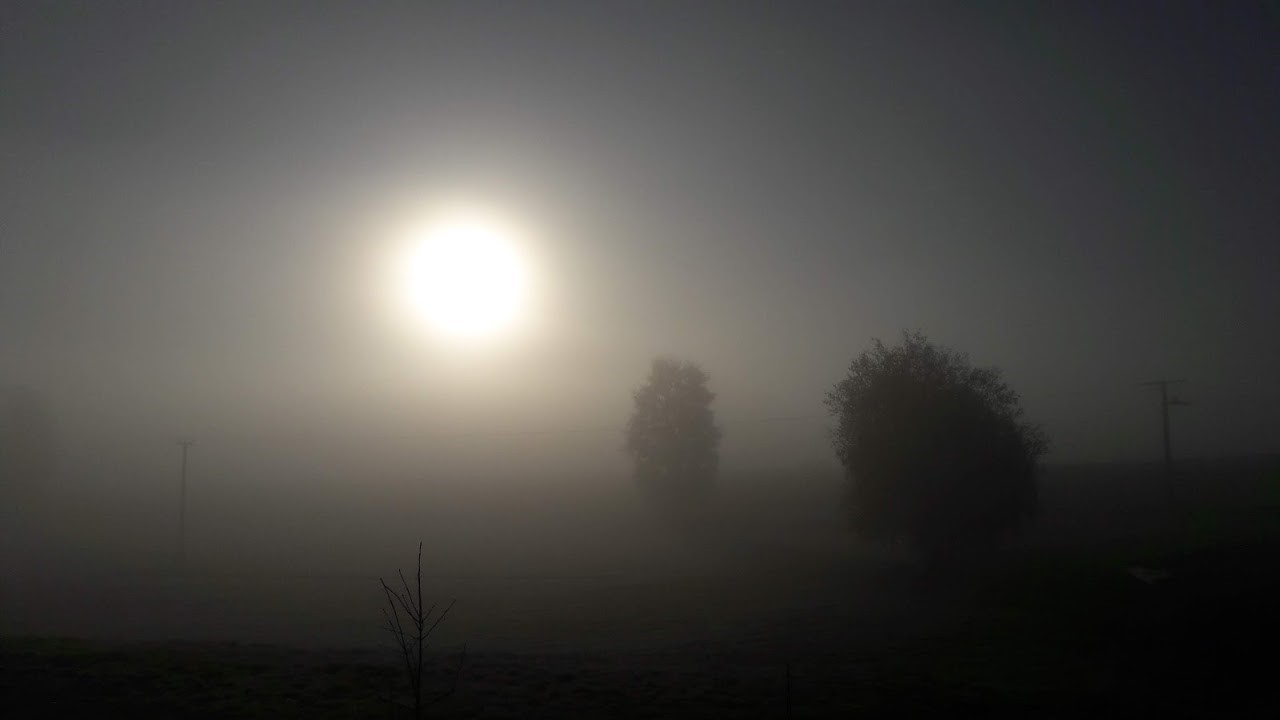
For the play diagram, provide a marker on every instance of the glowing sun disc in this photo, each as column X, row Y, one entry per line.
column 468, row 278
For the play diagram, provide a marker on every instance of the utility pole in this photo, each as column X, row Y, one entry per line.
column 182, row 506
column 1165, row 403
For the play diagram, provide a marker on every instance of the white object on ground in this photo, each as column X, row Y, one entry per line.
column 1149, row 576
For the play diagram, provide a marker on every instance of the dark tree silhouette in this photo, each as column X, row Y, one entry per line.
column 935, row 451
column 26, row 445
column 672, row 437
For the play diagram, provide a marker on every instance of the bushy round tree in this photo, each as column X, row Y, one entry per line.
column 935, row 451
column 27, row 447
column 672, row 436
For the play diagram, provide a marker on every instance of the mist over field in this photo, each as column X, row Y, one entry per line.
column 724, row 359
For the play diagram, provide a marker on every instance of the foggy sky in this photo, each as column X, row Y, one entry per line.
column 195, row 198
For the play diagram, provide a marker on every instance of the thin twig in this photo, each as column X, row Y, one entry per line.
column 443, row 615
column 419, row 620
column 457, row 672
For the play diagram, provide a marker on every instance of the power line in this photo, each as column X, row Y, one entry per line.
column 1165, row 403
column 182, row 505
column 468, row 434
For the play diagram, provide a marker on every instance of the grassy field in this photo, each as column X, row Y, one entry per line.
column 1057, row 626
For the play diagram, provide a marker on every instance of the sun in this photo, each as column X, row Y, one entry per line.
column 467, row 276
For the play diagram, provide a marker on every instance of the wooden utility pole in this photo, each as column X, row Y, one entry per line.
column 182, row 506
column 1165, row 403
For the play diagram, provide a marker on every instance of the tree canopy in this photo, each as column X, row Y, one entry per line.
column 935, row 451
column 26, row 445
column 672, row 436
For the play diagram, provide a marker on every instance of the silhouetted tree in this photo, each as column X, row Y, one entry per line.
column 672, row 437
column 26, row 446
column 935, row 451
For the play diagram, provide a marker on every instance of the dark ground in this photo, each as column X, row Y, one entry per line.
column 1058, row 626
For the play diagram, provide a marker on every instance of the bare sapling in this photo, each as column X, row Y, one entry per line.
column 412, row 626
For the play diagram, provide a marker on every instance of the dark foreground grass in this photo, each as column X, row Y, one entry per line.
column 49, row 678
column 1050, row 633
